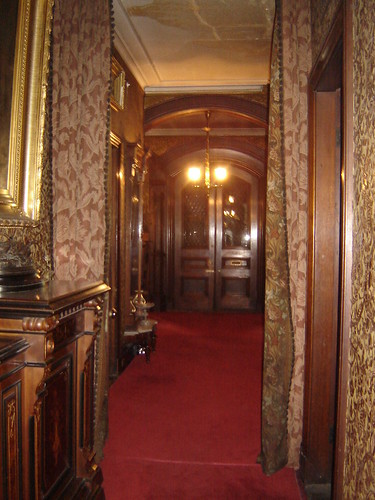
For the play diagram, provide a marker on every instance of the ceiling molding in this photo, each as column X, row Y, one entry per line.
column 207, row 89
column 180, row 48
column 235, row 132
column 132, row 50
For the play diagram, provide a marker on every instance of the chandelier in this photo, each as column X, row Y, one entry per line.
column 212, row 177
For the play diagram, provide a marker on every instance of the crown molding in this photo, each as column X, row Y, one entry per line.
column 131, row 50
column 136, row 56
column 236, row 132
column 205, row 89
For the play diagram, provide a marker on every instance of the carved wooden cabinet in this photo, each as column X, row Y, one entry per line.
column 48, row 352
column 11, row 388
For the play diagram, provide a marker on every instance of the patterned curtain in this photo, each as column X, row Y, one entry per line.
column 296, row 33
column 80, row 97
column 82, row 43
column 285, row 238
column 278, row 333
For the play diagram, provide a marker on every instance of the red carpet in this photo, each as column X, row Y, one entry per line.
column 187, row 425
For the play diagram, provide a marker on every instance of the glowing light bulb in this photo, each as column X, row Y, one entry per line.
column 220, row 173
column 194, row 174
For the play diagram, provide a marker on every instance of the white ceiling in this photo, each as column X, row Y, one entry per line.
column 195, row 45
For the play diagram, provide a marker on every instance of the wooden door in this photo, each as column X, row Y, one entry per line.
column 216, row 244
column 236, row 243
column 194, row 247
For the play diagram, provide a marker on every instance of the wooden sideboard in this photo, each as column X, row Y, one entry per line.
column 48, row 380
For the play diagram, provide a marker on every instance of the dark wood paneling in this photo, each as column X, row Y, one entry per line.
column 115, row 186
column 11, row 465
column 54, row 428
column 128, row 122
column 255, row 111
column 88, row 401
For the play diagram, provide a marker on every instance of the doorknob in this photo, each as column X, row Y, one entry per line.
column 113, row 313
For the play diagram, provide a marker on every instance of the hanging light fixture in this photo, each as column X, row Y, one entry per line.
column 212, row 176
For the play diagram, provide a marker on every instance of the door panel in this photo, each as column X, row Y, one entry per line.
column 194, row 247
column 236, row 244
column 216, row 244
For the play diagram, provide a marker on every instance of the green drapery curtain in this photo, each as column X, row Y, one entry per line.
column 286, row 237
column 278, row 331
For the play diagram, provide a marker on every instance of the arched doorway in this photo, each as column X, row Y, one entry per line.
column 224, row 268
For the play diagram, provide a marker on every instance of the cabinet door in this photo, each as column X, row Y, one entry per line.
column 54, row 429
column 10, row 458
column 87, row 403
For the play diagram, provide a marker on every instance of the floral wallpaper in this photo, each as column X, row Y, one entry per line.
column 359, row 471
column 359, row 466
column 322, row 14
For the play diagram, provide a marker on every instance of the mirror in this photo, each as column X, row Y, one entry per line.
column 25, row 27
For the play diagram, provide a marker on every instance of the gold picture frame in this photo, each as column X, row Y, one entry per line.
column 119, row 85
column 23, row 93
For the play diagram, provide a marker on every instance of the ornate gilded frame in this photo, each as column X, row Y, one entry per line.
column 119, row 85
column 21, row 169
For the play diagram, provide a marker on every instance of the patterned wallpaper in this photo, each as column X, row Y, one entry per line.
column 359, row 470
column 322, row 15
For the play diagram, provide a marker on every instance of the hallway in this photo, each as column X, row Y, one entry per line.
column 187, row 425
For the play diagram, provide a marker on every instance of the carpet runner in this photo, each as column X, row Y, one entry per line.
column 187, row 425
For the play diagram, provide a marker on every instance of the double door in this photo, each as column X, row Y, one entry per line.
column 216, row 244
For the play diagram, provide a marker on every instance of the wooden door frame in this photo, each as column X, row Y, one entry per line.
column 346, row 246
column 342, row 27
column 114, row 254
